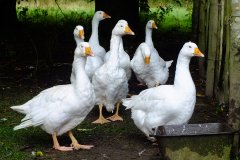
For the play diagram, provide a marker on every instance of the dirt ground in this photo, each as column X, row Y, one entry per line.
column 124, row 140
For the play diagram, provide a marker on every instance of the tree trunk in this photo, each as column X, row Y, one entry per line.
column 226, row 55
column 120, row 9
column 202, row 34
column 8, row 15
column 218, row 90
column 234, row 68
column 212, row 46
column 195, row 19
column 234, row 108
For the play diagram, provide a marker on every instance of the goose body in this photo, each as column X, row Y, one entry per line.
column 167, row 104
column 61, row 108
column 124, row 59
column 95, row 62
column 110, row 81
column 159, row 67
column 146, row 71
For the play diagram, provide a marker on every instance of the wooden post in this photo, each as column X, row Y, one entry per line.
column 202, row 30
column 195, row 20
column 212, row 46
column 219, row 49
column 234, row 70
column 227, row 9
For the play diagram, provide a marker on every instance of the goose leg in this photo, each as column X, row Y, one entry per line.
column 57, row 146
column 101, row 119
column 75, row 143
column 116, row 117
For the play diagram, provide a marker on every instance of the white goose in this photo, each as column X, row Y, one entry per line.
column 59, row 109
column 123, row 56
column 159, row 67
column 167, row 104
column 141, row 65
column 110, row 80
column 78, row 34
column 95, row 62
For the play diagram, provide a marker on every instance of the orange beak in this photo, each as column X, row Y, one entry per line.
column 147, row 59
column 198, row 53
column 105, row 15
column 154, row 25
column 88, row 51
column 81, row 34
column 129, row 31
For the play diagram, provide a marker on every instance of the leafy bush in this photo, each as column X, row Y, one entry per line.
column 169, row 14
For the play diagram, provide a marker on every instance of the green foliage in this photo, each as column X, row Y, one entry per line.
column 170, row 15
column 52, row 16
column 50, row 12
column 22, row 13
column 160, row 13
column 143, row 5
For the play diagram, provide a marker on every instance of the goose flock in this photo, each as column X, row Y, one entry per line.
column 100, row 78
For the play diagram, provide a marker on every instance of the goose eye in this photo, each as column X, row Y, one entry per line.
column 99, row 13
column 121, row 25
column 189, row 46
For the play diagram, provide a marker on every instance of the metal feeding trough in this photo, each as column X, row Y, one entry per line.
column 207, row 141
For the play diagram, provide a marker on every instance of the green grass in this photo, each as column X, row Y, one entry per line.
column 171, row 17
column 11, row 142
column 179, row 19
column 46, row 12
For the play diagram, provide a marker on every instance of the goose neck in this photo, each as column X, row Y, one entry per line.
column 78, row 40
column 79, row 69
column 94, row 36
column 121, row 45
column 114, row 50
column 148, row 37
column 183, row 78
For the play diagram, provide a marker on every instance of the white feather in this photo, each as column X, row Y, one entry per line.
column 124, row 59
column 93, row 63
column 166, row 104
column 61, row 108
column 110, row 81
column 157, row 71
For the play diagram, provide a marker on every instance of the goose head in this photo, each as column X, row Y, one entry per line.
column 100, row 15
column 145, row 50
column 79, row 32
column 122, row 28
column 83, row 50
column 151, row 24
column 190, row 49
